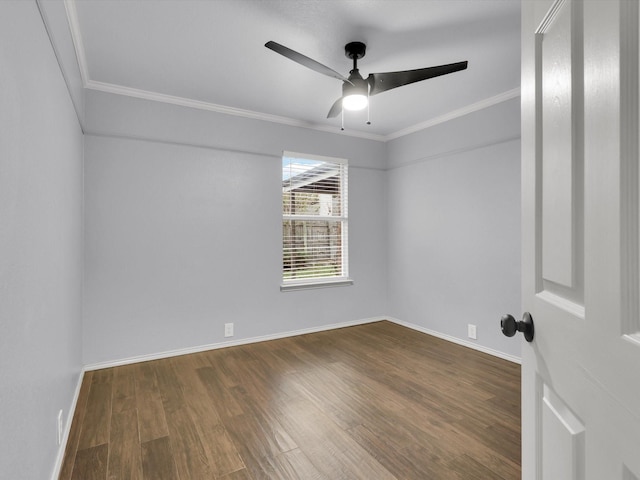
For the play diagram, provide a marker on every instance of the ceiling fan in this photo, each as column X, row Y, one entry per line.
column 355, row 89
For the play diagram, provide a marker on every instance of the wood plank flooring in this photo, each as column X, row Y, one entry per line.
column 371, row 402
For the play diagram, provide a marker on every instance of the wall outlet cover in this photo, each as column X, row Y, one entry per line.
column 228, row 329
column 472, row 332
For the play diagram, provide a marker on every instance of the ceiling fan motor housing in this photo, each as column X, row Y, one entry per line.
column 358, row 85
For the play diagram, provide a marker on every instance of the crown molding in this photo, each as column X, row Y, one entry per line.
column 90, row 84
column 474, row 107
column 212, row 107
column 76, row 38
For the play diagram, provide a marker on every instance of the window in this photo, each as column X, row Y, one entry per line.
column 314, row 221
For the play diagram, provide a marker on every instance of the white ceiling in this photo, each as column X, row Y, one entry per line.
column 211, row 53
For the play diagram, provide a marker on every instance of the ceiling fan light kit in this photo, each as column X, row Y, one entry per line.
column 355, row 89
column 355, row 92
column 354, row 102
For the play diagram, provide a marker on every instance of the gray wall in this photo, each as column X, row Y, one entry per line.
column 40, row 245
column 454, row 226
column 183, row 233
column 182, row 239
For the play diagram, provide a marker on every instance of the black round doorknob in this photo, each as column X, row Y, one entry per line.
column 510, row 326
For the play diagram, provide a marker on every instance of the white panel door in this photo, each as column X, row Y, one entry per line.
column 580, row 239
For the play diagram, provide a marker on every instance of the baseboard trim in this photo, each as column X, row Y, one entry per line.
column 464, row 343
column 233, row 343
column 292, row 333
column 67, row 429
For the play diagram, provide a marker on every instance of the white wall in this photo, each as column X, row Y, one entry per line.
column 454, row 226
column 40, row 245
column 182, row 239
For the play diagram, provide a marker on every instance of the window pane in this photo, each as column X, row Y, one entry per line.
column 311, row 249
column 314, row 218
column 312, row 187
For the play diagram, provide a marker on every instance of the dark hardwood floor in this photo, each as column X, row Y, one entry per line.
column 372, row 402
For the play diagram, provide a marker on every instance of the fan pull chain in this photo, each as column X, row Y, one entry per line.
column 368, row 109
column 342, row 115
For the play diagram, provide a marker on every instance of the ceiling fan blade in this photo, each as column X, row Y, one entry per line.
column 304, row 61
column 336, row 108
column 381, row 82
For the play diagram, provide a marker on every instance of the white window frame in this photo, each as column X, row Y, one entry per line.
column 331, row 281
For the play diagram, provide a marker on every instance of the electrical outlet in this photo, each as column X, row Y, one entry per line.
column 60, row 427
column 228, row 329
column 471, row 332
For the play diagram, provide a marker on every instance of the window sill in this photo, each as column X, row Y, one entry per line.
column 288, row 287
